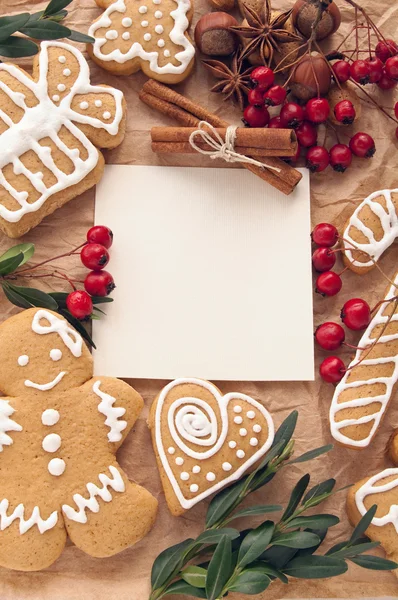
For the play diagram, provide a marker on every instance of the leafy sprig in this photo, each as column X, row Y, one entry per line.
column 222, row 559
column 42, row 25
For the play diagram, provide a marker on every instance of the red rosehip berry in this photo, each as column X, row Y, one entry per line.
column 317, row 159
column 355, row 314
column 79, row 304
column 256, row 97
column 99, row 234
column 328, row 284
column 340, row 157
column 341, row 70
column 332, row 369
column 317, row 110
column 99, row 283
column 292, row 115
column 275, row 96
column 94, row 256
column 255, row 116
column 329, row 335
column 262, row 77
column 275, row 123
column 306, row 134
column 360, row 71
column 362, row 145
column 344, row 112
column 386, row 83
column 323, row 259
column 376, row 69
column 396, row 109
column 391, row 67
column 386, row 49
column 325, row 234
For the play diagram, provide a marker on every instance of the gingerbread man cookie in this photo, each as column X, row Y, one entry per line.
column 150, row 35
column 372, row 228
column 204, row 440
column 51, row 126
column 59, row 432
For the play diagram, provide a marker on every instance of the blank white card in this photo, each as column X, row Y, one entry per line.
column 213, row 275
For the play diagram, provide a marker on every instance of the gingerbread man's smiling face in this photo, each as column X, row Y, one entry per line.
column 41, row 355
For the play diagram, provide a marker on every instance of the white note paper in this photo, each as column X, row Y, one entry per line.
column 213, row 275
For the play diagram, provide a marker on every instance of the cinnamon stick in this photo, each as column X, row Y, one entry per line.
column 186, row 148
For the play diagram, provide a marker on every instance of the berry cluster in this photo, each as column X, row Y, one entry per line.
column 95, row 256
column 325, row 236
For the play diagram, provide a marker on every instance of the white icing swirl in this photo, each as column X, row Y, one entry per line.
column 369, row 488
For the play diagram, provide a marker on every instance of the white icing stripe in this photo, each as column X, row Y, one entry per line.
column 112, row 413
column 369, row 488
column 24, row 525
column 7, row 424
column 197, row 415
column 72, row 340
column 91, row 503
column 45, row 120
column 136, row 50
column 389, row 382
column 45, row 387
column 388, row 220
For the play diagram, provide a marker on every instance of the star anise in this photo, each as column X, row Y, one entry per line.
column 265, row 32
column 234, row 81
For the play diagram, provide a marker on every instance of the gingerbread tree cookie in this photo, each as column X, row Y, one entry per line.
column 51, row 126
column 150, row 35
column 59, row 432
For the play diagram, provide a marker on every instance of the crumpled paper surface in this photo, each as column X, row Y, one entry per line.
column 76, row 576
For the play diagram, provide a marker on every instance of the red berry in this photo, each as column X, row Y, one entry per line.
column 292, row 115
column 340, row 157
column 391, row 67
column 256, row 97
column 396, row 109
column 262, row 77
column 275, row 96
column 355, row 314
column 328, row 284
column 325, row 234
column 362, row 145
column 360, row 71
column 306, row 134
column 330, row 335
column 275, row 123
column 344, row 112
column 94, row 256
column 255, row 116
column 79, row 304
column 323, row 259
column 341, row 70
column 332, row 369
column 386, row 49
column 99, row 234
column 317, row 159
column 317, row 110
column 386, row 83
column 376, row 69
column 99, row 283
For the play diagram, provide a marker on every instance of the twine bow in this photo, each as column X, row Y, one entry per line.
column 224, row 149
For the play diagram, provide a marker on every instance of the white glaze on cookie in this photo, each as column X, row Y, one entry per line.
column 68, row 335
column 369, row 488
column 112, row 413
column 25, row 524
column 7, row 424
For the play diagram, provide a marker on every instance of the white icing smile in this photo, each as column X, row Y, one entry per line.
column 46, row 386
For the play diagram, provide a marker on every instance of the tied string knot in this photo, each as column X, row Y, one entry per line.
column 224, row 149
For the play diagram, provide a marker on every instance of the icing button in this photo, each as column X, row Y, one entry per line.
column 50, row 417
column 142, row 10
column 56, row 466
column 240, row 454
column 253, row 441
column 126, row 35
column 226, row 466
column 98, row 103
column 232, row 444
column 51, row 443
column 210, row 476
column 158, row 14
column 243, row 432
column 184, row 476
column 193, row 488
column 171, row 450
column 237, row 409
column 23, row 360
column 161, row 43
column 257, row 428
column 83, row 105
column 62, row 59
column 238, row 420
column 112, row 34
column 127, row 22
column 167, row 53
column 107, row 115
column 250, row 414
column 147, row 37
column 196, row 469
column 61, row 87
column 144, row 24
column 179, row 461
column 66, row 72
column 159, row 29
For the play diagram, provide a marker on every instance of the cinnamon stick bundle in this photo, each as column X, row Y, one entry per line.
column 248, row 142
column 189, row 114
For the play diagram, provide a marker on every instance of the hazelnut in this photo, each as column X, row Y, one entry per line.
column 213, row 36
column 310, row 77
column 304, row 13
column 223, row 4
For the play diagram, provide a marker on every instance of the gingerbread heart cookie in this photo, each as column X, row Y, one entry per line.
column 150, row 35
column 204, row 440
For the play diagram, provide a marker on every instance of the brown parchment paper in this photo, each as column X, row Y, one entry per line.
column 76, row 576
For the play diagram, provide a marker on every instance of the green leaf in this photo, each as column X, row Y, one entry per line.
column 318, row 521
column 14, row 298
column 270, row 571
column 296, row 539
column 275, row 450
column 27, row 250
column 295, row 497
column 321, row 533
column 167, row 562
column 351, row 551
column 363, row 524
column 60, row 298
column 220, row 568
column 181, row 587
column 55, row 6
column 261, row 475
column 45, row 30
column 34, row 297
column 59, row 16
column 250, row 582
column 195, row 576
column 223, row 501
column 9, row 265
column 259, row 509
column 101, row 299
column 213, row 536
column 76, row 36
column 255, row 543
column 15, row 47
column 9, row 25
column 367, row 561
column 278, row 556
column 286, row 430
column 98, row 310
column 315, row 567
column 325, row 487
column 77, row 325
column 312, row 454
